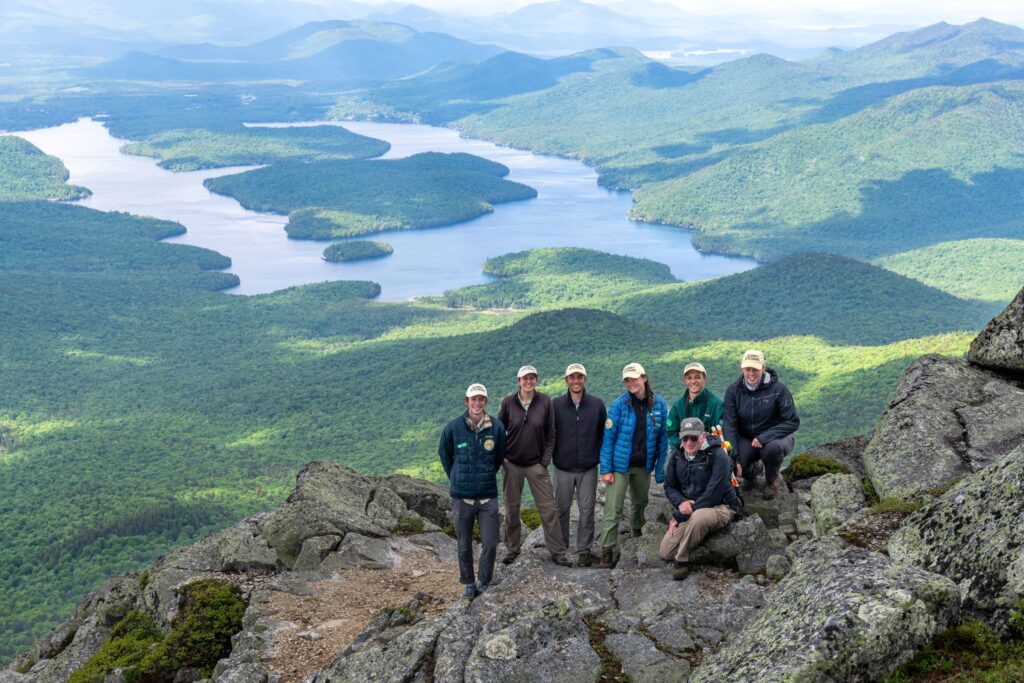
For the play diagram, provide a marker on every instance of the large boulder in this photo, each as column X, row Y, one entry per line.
column 974, row 534
column 328, row 500
column 946, row 419
column 835, row 498
column 1000, row 345
column 428, row 500
column 841, row 614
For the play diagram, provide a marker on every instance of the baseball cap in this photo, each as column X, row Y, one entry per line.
column 694, row 366
column 691, row 426
column 476, row 390
column 526, row 370
column 753, row 359
column 575, row 367
column 633, row 371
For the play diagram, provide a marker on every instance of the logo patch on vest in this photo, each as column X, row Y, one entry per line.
column 488, row 444
column 462, row 445
column 608, row 423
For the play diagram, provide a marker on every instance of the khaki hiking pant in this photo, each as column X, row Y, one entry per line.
column 637, row 481
column 686, row 536
column 543, row 497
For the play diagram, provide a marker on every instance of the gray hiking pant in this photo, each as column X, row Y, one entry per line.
column 584, row 486
column 771, row 453
column 464, row 514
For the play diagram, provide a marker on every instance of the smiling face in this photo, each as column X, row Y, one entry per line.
column 635, row 385
column 528, row 383
column 691, row 444
column 752, row 376
column 576, row 381
column 476, row 405
column 695, row 381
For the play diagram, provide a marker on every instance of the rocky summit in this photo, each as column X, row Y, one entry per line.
column 842, row 577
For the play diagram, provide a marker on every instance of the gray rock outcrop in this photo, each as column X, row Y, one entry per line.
column 1000, row 345
column 946, row 419
column 974, row 534
column 841, row 614
column 834, row 499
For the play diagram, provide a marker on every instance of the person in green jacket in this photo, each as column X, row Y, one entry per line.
column 698, row 402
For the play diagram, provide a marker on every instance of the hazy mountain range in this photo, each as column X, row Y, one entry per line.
column 107, row 28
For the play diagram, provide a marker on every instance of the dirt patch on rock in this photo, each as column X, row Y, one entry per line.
column 314, row 628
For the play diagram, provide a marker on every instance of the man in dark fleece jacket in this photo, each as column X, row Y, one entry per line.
column 698, row 484
column 579, row 431
column 471, row 450
column 759, row 419
column 528, row 416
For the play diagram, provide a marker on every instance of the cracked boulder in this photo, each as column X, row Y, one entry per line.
column 1000, row 346
column 974, row 534
column 841, row 614
column 946, row 419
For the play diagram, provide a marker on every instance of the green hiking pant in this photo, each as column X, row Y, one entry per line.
column 638, row 482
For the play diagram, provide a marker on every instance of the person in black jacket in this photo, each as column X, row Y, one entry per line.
column 759, row 419
column 472, row 449
column 579, row 430
column 698, row 484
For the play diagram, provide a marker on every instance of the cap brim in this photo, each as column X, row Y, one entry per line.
column 751, row 364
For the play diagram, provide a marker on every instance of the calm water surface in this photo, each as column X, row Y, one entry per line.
column 571, row 209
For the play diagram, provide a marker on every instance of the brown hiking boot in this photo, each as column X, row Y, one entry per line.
column 607, row 558
column 561, row 560
column 680, row 570
column 749, row 484
column 584, row 559
column 510, row 558
column 636, row 533
column 771, row 490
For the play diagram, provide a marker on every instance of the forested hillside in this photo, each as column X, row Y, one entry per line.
column 27, row 173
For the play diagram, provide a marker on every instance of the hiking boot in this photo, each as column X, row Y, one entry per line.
column 470, row 592
column 510, row 558
column 636, row 533
column 607, row 558
column 771, row 490
column 481, row 588
column 561, row 560
column 584, row 559
column 680, row 570
column 749, row 484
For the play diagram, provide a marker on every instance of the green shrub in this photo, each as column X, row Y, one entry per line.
column 805, row 466
column 971, row 651
column 411, row 525
column 895, row 505
column 199, row 637
column 869, row 491
column 530, row 517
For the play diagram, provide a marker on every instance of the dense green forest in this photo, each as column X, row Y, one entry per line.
column 981, row 269
column 27, row 173
column 189, row 150
column 329, row 199
column 357, row 250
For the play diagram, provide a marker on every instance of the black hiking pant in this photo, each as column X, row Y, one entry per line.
column 771, row 454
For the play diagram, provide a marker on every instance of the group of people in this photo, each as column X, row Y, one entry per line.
column 624, row 444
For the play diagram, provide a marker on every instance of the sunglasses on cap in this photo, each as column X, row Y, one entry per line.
column 689, row 437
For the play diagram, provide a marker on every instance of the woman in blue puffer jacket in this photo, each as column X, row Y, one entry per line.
column 635, row 445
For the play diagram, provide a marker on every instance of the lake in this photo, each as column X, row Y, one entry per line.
column 571, row 209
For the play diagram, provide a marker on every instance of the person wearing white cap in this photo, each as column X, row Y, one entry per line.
column 759, row 419
column 698, row 401
column 634, row 446
column 579, row 430
column 530, row 421
column 472, row 449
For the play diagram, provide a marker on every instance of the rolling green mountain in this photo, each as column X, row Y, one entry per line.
column 326, row 199
column 27, row 173
column 331, row 51
column 188, row 150
column 972, row 269
column 924, row 167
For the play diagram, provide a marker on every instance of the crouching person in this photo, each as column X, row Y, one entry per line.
column 472, row 450
column 698, row 484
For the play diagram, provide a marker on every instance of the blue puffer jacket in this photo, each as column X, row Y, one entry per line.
column 618, row 437
column 472, row 459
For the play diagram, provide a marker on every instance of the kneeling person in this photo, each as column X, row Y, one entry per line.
column 472, row 449
column 698, row 484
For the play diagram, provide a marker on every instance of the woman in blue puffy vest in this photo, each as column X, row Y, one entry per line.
column 635, row 445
